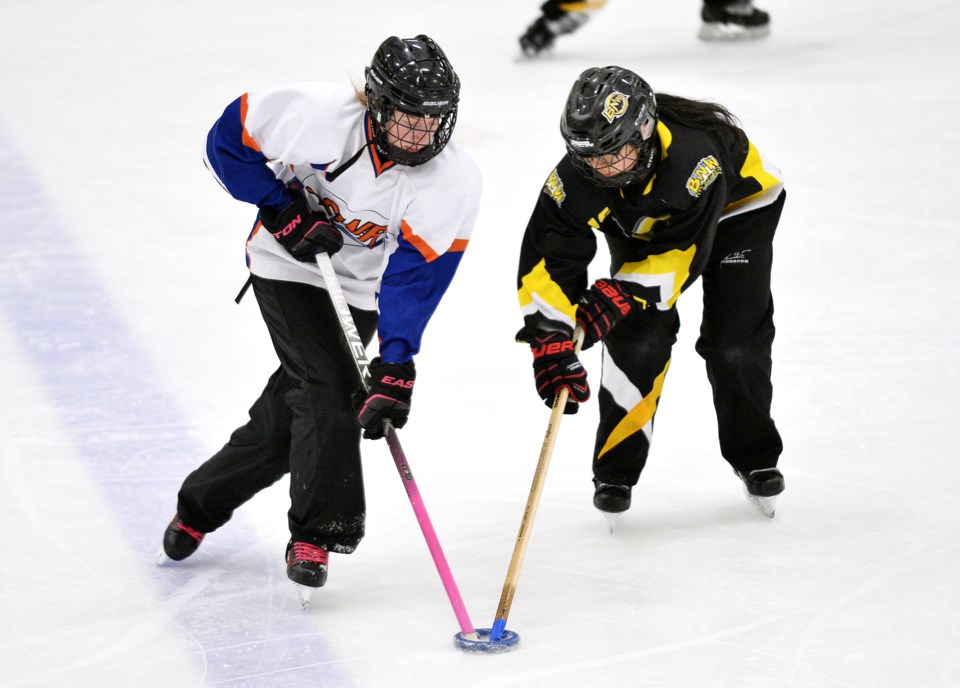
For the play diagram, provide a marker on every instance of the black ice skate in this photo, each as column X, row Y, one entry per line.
column 762, row 487
column 307, row 567
column 737, row 20
column 612, row 500
column 179, row 541
column 541, row 34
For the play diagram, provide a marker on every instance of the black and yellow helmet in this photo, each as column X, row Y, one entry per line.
column 609, row 107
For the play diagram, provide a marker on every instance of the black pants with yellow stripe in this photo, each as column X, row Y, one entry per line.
column 303, row 423
column 736, row 338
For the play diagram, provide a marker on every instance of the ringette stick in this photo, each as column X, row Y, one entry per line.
column 533, row 502
column 357, row 348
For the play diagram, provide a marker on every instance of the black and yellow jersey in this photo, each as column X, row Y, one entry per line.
column 659, row 231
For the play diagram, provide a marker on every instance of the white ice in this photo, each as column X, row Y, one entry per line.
column 125, row 363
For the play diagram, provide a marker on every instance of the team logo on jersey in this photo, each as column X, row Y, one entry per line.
column 704, row 174
column 368, row 233
column 554, row 187
column 615, row 106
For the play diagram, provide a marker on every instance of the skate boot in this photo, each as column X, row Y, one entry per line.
column 762, row 487
column 541, row 34
column 612, row 500
column 737, row 20
column 307, row 567
column 179, row 541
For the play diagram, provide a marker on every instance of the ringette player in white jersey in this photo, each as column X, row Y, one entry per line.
column 373, row 179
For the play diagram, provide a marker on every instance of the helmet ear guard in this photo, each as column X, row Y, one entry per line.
column 412, row 76
column 608, row 108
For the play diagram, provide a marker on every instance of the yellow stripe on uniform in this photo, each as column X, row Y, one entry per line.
column 539, row 292
column 667, row 272
column 753, row 167
column 582, row 5
column 765, row 175
column 638, row 417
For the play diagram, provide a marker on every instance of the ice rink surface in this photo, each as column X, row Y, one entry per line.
column 125, row 363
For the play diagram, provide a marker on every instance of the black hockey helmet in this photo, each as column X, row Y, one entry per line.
column 414, row 76
column 607, row 108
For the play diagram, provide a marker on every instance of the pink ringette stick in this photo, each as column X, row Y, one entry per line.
column 355, row 344
column 416, row 501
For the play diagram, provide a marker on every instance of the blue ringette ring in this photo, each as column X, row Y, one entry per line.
column 508, row 641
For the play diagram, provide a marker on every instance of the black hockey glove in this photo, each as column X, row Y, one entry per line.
column 301, row 231
column 391, row 386
column 555, row 366
column 602, row 307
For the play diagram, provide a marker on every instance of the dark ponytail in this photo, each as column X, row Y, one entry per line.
column 701, row 114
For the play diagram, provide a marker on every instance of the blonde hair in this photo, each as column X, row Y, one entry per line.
column 360, row 90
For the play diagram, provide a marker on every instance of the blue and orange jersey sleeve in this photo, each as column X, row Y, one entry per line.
column 413, row 284
column 235, row 159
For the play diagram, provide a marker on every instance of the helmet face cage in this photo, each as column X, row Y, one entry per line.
column 608, row 108
column 412, row 76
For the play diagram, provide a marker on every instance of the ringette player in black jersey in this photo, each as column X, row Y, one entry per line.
column 678, row 192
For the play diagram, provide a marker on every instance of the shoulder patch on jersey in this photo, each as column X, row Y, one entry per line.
column 554, row 187
column 704, row 174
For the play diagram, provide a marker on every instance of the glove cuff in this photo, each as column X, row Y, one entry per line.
column 379, row 369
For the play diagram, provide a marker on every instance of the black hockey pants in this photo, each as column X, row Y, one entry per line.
column 736, row 338
column 304, row 424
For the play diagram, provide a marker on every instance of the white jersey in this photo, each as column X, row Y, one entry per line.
column 404, row 228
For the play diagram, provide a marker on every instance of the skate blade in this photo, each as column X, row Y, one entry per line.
column 717, row 32
column 613, row 520
column 161, row 558
column 304, row 594
column 767, row 505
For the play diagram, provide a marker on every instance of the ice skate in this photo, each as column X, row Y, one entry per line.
column 735, row 21
column 612, row 500
column 307, row 567
column 179, row 542
column 540, row 35
column 612, row 521
column 762, row 487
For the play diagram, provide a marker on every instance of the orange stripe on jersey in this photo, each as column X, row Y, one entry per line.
column 459, row 245
column 379, row 166
column 428, row 253
column 248, row 140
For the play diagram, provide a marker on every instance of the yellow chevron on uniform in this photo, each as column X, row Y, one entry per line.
column 638, row 417
column 538, row 292
column 667, row 271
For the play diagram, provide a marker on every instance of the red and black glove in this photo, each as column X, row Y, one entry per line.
column 556, row 366
column 391, row 387
column 602, row 307
column 301, row 231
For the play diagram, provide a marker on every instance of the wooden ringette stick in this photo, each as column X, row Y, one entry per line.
column 533, row 502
